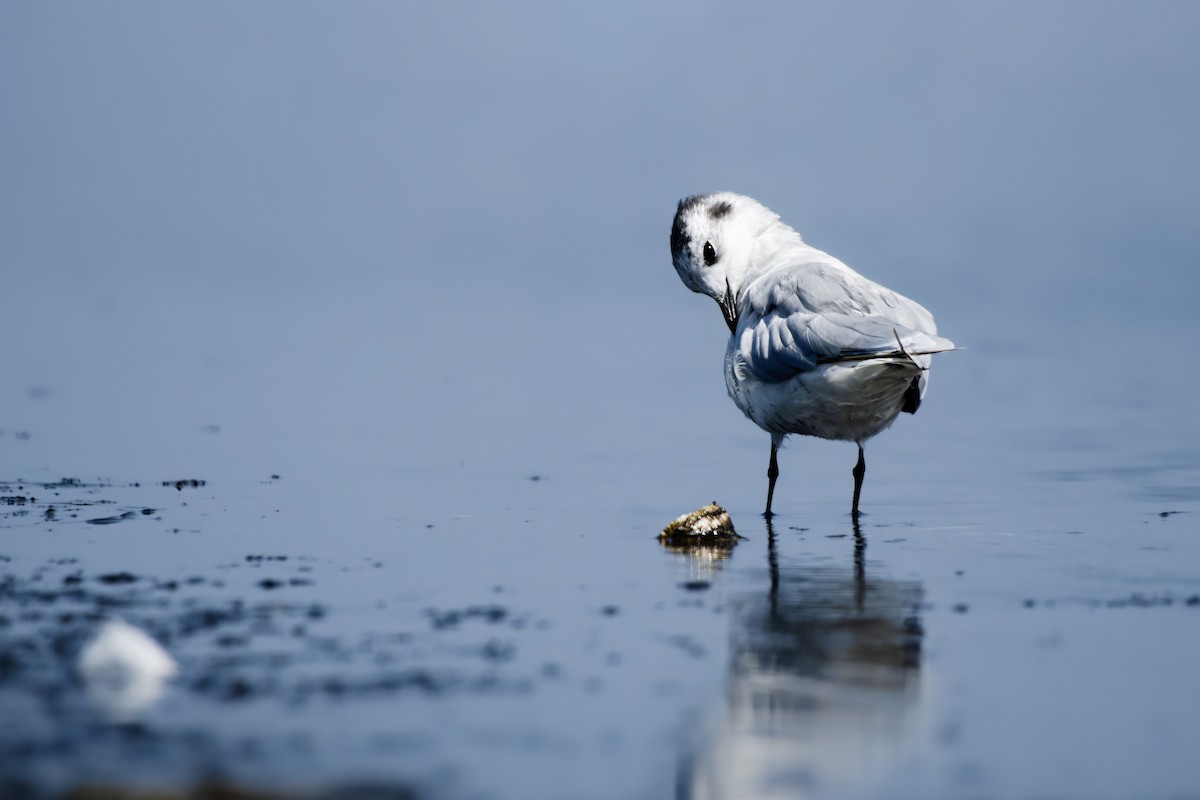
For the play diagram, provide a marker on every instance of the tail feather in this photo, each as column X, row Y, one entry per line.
column 941, row 346
column 912, row 396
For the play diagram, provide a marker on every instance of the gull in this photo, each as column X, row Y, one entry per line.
column 814, row 348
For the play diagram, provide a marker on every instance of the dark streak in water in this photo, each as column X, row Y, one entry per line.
column 192, row 483
column 112, row 520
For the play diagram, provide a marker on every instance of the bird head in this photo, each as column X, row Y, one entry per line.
column 713, row 245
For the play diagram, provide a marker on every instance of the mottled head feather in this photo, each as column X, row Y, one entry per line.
column 679, row 236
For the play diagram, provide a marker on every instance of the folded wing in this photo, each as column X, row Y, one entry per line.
column 795, row 319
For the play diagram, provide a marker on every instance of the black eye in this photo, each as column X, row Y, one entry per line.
column 710, row 255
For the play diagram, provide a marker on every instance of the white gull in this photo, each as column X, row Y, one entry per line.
column 814, row 347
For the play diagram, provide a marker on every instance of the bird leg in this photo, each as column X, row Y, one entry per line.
column 772, row 474
column 860, row 469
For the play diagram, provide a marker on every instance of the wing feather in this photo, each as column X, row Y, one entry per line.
column 797, row 318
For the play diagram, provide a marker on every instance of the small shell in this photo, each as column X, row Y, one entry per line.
column 709, row 525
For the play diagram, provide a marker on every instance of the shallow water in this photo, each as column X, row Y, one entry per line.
column 330, row 634
column 366, row 389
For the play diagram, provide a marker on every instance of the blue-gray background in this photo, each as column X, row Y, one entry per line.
column 428, row 242
column 430, row 233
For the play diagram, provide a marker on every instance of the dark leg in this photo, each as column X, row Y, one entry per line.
column 772, row 474
column 859, row 470
column 860, row 565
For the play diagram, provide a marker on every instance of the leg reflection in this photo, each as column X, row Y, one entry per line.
column 823, row 672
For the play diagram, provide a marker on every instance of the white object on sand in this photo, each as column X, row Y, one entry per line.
column 124, row 670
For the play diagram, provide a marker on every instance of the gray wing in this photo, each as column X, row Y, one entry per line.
column 795, row 319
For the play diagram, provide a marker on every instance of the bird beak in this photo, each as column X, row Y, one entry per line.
column 728, row 305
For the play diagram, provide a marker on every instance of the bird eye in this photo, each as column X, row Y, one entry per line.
column 710, row 255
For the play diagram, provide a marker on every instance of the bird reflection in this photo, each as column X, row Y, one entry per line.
column 822, row 679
